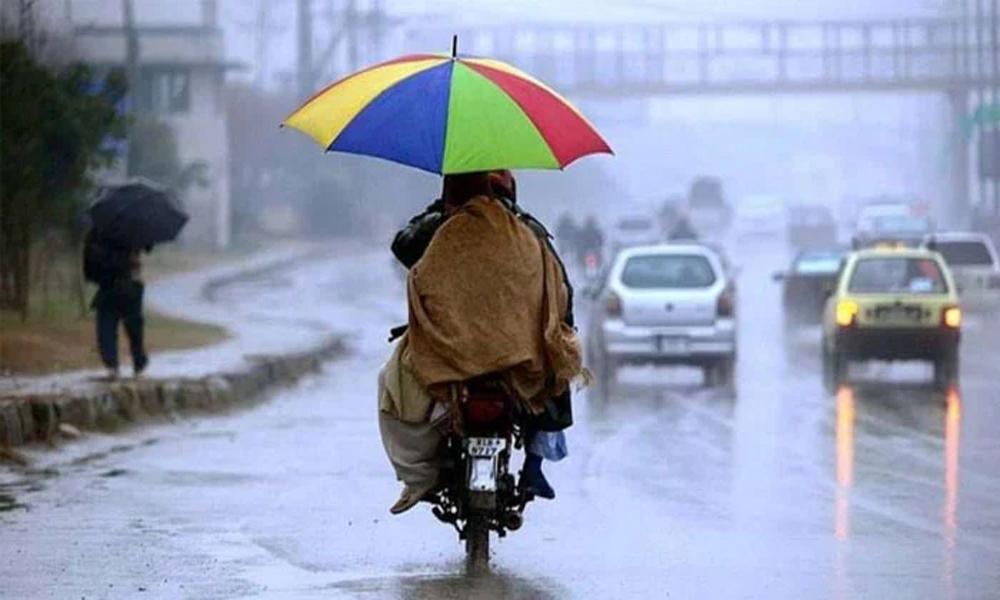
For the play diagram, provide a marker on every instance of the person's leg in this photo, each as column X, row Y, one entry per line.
column 107, row 334
column 413, row 451
column 550, row 445
column 134, row 325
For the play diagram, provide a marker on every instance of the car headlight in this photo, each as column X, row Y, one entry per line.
column 951, row 316
column 846, row 312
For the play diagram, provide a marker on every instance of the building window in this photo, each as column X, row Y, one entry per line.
column 164, row 90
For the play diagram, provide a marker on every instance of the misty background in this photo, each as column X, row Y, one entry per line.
column 835, row 149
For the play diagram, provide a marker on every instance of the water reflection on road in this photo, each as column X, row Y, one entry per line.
column 779, row 490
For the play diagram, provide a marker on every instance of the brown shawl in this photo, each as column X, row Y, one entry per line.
column 488, row 297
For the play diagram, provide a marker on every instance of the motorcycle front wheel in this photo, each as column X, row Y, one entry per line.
column 477, row 545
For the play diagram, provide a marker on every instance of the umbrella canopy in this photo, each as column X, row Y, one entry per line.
column 136, row 215
column 448, row 114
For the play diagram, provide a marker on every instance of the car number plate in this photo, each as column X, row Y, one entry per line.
column 899, row 314
column 671, row 345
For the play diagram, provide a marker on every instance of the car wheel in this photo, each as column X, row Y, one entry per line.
column 946, row 370
column 725, row 372
column 834, row 369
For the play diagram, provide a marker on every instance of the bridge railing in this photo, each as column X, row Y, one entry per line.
column 743, row 56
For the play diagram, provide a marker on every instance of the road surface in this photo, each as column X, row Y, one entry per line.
column 886, row 490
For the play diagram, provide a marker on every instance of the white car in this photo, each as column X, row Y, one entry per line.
column 761, row 215
column 974, row 265
column 667, row 304
column 635, row 230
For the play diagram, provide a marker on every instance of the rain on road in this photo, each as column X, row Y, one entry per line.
column 885, row 490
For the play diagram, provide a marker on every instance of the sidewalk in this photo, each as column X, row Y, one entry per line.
column 262, row 350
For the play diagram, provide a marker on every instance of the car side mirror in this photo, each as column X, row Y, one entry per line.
column 778, row 276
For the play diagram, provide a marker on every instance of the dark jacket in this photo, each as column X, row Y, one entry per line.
column 105, row 263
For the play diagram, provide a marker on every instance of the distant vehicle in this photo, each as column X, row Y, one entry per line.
column 668, row 304
column 810, row 278
column 973, row 261
column 671, row 209
column 760, row 215
column 811, row 226
column 707, row 209
column 905, row 230
column 892, row 304
column 636, row 230
column 890, row 223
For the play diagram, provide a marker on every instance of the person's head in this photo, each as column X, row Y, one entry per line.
column 462, row 187
column 503, row 185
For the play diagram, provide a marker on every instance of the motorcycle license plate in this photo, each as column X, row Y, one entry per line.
column 483, row 447
column 483, row 456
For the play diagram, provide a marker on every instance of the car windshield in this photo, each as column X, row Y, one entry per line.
column 668, row 271
column 972, row 252
column 635, row 225
column 897, row 275
column 813, row 263
column 901, row 225
column 706, row 202
column 810, row 215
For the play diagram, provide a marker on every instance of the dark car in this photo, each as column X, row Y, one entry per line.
column 807, row 283
column 811, row 226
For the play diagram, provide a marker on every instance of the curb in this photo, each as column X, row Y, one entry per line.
column 27, row 418
column 37, row 418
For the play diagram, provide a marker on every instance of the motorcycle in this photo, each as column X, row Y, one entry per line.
column 479, row 494
column 591, row 265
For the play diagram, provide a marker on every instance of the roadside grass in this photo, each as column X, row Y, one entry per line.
column 60, row 339
column 59, row 334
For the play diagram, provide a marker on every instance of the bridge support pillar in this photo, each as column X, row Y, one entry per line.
column 956, row 212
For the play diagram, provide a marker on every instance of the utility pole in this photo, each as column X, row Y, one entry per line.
column 305, row 61
column 980, row 96
column 262, row 38
column 351, row 23
column 995, row 94
column 132, row 76
column 26, row 23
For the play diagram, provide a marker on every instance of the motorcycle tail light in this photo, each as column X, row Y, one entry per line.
column 951, row 317
column 481, row 411
column 724, row 305
column 591, row 261
column 613, row 305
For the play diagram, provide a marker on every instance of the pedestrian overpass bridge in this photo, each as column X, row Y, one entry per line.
column 766, row 57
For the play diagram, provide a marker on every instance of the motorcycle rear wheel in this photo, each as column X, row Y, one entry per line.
column 477, row 545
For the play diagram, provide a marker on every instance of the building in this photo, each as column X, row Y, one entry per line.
column 181, row 78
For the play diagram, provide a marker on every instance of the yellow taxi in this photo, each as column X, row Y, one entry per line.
column 892, row 303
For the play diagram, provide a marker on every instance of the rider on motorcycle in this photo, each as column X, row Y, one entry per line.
column 474, row 311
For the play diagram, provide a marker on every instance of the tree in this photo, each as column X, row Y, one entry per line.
column 55, row 129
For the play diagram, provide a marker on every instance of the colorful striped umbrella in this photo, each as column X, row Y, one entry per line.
column 448, row 114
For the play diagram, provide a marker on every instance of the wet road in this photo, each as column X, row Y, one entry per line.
column 886, row 490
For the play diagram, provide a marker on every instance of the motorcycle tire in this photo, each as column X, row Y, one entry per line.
column 477, row 545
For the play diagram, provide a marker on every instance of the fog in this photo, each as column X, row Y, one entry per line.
column 833, row 148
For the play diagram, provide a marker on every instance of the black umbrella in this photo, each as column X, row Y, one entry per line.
column 136, row 215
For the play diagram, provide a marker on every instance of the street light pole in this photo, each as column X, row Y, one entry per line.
column 132, row 76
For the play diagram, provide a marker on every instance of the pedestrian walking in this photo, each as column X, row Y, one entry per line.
column 117, row 272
